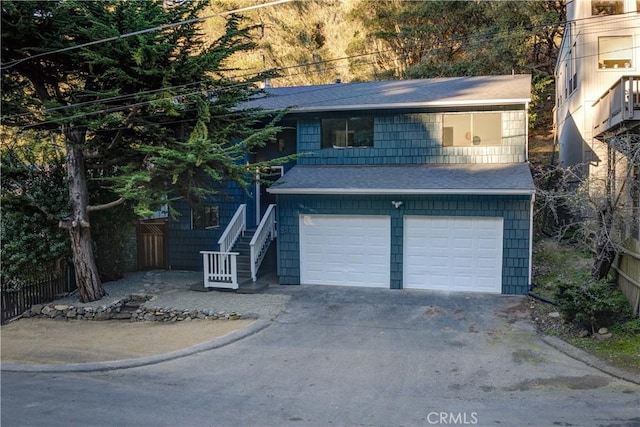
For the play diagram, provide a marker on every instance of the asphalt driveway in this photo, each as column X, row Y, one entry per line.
column 344, row 356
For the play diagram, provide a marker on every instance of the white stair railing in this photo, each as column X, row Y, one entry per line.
column 236, row 227
column 263, row 236
column 220, row 269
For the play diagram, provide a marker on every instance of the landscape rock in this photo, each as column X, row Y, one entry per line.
column 130, row 309
column 101, row 315
column 602, row 337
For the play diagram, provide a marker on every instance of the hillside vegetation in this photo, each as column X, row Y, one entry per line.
column 322, row 41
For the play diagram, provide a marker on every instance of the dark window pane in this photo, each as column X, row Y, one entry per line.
column 204, row 217
column 607, row 7
column 351, row 132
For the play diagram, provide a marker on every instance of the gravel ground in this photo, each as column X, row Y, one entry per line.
column 171, row 290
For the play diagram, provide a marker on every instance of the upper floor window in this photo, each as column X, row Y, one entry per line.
column 615, row 52
column 573, row 71
column 204, row 217
column 471, row 129
column 347, row 132
column 607, row 7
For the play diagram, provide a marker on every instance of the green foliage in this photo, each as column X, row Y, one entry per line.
column 620, row 350
column 461, row 38
column 114, row 236
column 555, row 262
column 34, row 198
column 154, row 113
column 147, row 116
column 594, row 303
column 630, row 327
column 542, row 101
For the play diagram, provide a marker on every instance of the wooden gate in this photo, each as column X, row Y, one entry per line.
column 153, row 249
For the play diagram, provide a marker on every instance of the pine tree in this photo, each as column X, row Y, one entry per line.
column 142, row 100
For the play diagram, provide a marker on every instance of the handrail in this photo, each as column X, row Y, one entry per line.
column 236, row 227
column 220, row 269
column 263, row 236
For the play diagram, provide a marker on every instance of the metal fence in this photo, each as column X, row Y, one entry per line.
column 16, row 301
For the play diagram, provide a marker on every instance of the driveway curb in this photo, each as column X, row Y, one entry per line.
column 586, row 358
column 141, row 361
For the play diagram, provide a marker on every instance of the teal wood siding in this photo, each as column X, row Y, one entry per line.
column 515, row 210
column 414, row 139
column 185, row 244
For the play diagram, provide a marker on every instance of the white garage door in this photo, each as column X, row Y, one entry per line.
column 345, row 250
column 453, row 253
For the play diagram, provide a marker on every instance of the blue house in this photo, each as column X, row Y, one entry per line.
column 412, row 184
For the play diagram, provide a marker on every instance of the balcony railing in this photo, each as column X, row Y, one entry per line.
column 619, row 104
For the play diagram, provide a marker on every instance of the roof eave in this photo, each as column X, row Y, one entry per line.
column 404, row 191
column 409, row 105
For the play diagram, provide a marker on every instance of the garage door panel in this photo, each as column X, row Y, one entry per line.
column 453, row 253
column 345, row 250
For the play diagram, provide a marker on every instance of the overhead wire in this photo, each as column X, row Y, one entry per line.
column 139, row 32
column 491, row 36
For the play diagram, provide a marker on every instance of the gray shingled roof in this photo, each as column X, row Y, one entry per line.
column 437, row 92
column 512, row 178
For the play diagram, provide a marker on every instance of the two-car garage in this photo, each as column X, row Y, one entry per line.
column 438, row 253
column 438, row 227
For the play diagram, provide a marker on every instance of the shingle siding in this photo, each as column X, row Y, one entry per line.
column 185, row 244
column 413, row 139
column 514, row 209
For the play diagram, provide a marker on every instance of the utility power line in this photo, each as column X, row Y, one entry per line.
column 137, row 33
column 490, row 35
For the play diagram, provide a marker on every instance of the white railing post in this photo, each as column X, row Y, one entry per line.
column 263, row 236
column 220, row 269
column 236, row 227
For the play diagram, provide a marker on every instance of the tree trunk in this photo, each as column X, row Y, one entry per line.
column 86, row 271
column 87, row 278
column 605, row 254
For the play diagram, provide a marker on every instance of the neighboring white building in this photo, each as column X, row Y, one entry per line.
column 598, row 86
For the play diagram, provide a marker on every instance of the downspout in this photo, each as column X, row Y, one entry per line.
column 533, row 200
column 526, row 130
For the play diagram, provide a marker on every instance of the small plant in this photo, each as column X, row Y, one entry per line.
column 630, row 327
column 593, row 303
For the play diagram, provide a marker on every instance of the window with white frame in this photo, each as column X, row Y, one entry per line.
column 204, row 217
column 471, row 129
column 607, row 7
column 347, row 132
column 615, row 52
